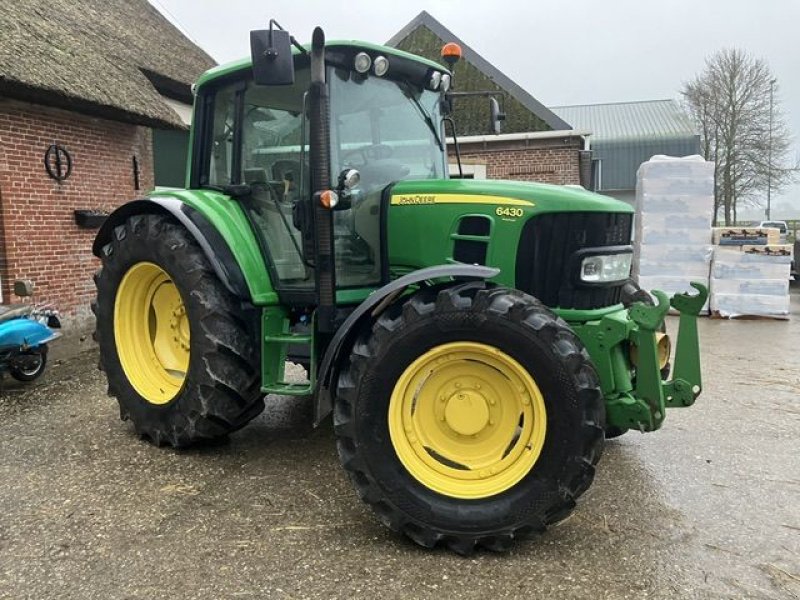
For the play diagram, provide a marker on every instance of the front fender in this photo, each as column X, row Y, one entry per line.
column 377, row 301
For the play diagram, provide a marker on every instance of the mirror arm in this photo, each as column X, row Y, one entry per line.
column 292, row 39
column 455, row 145
column 297, row 45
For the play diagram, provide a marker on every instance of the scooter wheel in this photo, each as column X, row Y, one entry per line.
column 29, row 365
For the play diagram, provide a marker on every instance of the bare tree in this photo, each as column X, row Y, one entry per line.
column 735, row 104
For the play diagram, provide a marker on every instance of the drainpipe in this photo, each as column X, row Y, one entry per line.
column 585, row 164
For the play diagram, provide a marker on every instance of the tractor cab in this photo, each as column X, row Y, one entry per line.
column 384, row 125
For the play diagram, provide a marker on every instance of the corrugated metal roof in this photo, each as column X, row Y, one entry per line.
column 649, row 119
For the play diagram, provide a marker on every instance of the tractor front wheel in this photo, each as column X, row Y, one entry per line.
column 180, row 354
column 469, row 415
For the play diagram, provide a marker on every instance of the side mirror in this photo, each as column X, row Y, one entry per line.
column 497, row 117
column 23, row 287
column 271, row 51
column 348, row 179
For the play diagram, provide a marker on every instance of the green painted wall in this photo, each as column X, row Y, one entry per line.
column 169, row 157
column 472, row 114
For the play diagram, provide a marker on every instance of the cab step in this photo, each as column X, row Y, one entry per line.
column 277, row 341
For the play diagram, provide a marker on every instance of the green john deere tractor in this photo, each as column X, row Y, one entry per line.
column 474, row 341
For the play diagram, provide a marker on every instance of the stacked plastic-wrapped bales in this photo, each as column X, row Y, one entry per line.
column 751, row 280
column 674, row 210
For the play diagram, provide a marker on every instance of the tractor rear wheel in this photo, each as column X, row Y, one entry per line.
column 180, row 354
column 470, row 416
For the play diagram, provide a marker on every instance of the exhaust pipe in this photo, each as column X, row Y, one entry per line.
column 320, row 158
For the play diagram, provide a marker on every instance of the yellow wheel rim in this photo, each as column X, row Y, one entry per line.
column 151, row 330
column 467, row 420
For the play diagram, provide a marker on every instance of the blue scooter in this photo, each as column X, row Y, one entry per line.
column 25, row 331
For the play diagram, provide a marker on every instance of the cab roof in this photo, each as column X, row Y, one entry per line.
column 246, row 63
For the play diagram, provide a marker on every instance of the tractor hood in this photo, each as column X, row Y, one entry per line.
column 542, row 196
column 491, row 222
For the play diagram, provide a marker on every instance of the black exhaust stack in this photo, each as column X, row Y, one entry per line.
column 320, row 159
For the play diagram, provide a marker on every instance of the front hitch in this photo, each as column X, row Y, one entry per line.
column 636, row 396
column 648, row 370
column 686, row 382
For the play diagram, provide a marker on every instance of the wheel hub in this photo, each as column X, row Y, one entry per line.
column 467, row 412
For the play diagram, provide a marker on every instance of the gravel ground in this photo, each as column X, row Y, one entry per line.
column 708, row 507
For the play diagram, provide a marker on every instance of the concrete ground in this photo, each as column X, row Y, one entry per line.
column 708, row 507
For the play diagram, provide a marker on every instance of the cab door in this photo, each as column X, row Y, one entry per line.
column 255, row 137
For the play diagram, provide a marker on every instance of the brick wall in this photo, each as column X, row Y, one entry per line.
column 39, row 239
column 547, row 161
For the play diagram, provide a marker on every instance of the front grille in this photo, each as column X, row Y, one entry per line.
column 546, row 264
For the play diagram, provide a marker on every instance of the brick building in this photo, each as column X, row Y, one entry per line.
column 84, row 90
column 536, row 144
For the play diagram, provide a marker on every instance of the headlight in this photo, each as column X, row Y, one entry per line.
column 381, row 65
column 605, row 268
column 436, row 78
column 362, row 62
column 445, row 82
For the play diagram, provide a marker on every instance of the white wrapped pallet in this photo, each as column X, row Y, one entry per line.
column 751, row 262
column 661, row 166
column 747, row 271
column 675, row 205
column 692, row 220
column 750, row 281
column 751, row 287
column 750, row 305
column 696, row 186
column 672, row 232
column 689, row 270
column 689, row 253
column 746, row 236
column 659, row 236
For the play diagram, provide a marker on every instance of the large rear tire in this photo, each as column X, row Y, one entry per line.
column 469, row 416
column 180, row 354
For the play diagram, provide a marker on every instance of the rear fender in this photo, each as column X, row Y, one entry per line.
column 214, row 246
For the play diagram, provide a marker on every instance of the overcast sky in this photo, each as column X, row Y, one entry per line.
column 575, row 52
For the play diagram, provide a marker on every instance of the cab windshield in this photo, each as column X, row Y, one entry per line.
column 388, row 130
